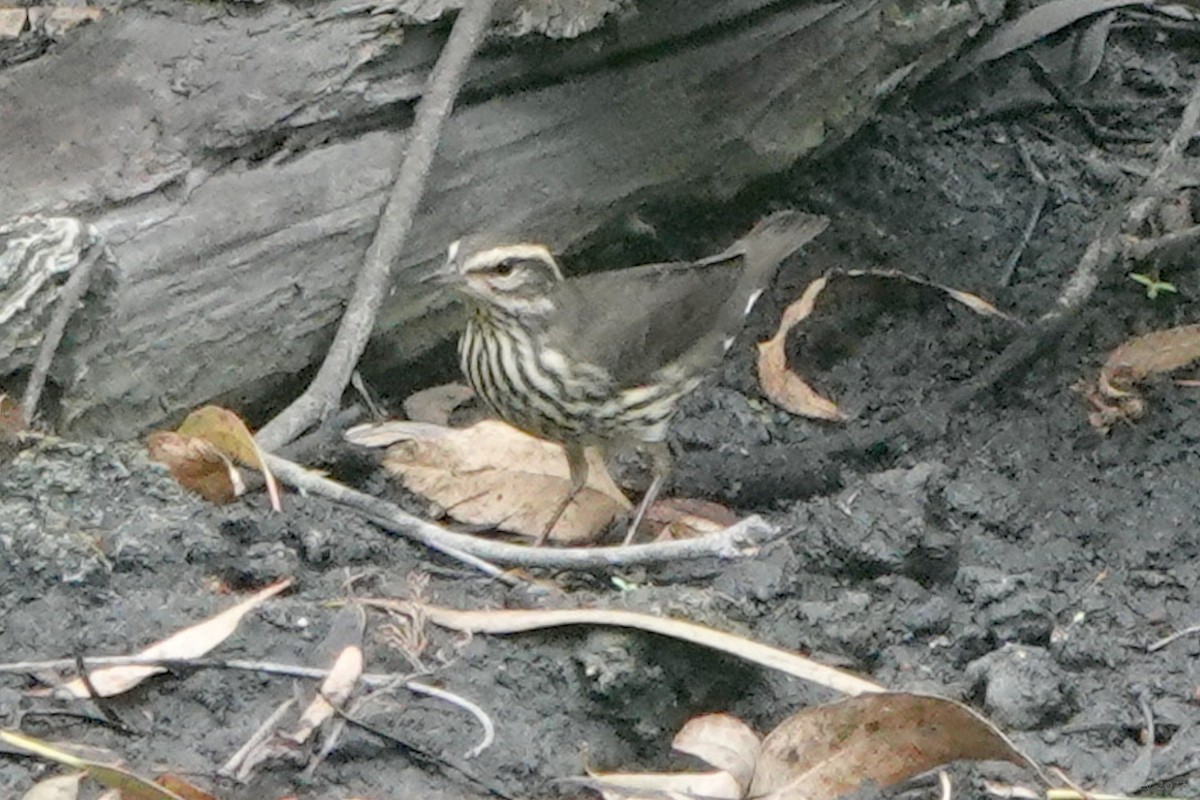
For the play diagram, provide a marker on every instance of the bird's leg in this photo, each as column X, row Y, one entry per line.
column 660, row 465
column 577, row 463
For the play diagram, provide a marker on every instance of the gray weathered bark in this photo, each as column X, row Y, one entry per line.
column 236, row 163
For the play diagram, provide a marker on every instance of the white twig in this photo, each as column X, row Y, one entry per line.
column 732, row 542
column 489, row 730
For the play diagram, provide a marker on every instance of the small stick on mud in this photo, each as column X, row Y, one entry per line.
column 1174, row 637
column 734, row 541
column 1041, row 195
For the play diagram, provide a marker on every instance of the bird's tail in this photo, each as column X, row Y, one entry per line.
column 775, row 238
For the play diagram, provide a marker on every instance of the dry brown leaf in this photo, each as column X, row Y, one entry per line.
column 197, row 465
column 789, row 391
column 435, row 404
column 1114, row 397
column 678, row 518
column 826, row 752
column 188, row 643
column 492, row 474
column 131, row 786
column 60, row 787
column 229, row 434
column 1143, row 356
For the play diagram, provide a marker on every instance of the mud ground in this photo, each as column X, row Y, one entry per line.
column 1015, row 558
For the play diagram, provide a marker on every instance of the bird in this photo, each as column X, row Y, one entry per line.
column 603, row 359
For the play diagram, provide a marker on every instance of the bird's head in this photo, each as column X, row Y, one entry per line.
column 516, row 278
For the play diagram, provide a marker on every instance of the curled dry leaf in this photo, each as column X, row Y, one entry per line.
column 197, row 465
column 493, row 474
column 1114, row 397
column 719, row 740
column 783, row 387
column 789, row 391
column 435, row 404
column 191, row 642
column 201, row 451
column 829, row 751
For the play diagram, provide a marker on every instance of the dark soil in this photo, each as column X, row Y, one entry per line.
column 1009, row 555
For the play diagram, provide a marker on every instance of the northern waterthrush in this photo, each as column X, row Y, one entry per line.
column 604, row 358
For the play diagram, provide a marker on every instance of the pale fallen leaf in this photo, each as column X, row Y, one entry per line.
column 12, row 22
column 826, row 752
column 723, row 741
column 719, row 740
column 191, row 642
column 789, row 391
column 57, row 20
column 435, row 404
column 518, row 621
column 492, row 474
column 60, row 787
column 131, row 786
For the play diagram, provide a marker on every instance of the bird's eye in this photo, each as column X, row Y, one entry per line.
column 504, row 268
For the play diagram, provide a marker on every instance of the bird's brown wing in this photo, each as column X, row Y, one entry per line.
column 632, row 322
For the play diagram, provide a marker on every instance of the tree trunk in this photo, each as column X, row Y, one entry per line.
column 235, row 162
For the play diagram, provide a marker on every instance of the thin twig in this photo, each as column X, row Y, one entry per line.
column 1041, row 195
column 321, row 398
column 421, row 754
column 1102, row 253
column 231, row 767
column 1174, row 637
column 734, row 541
column 489, row 729
column 73, row 291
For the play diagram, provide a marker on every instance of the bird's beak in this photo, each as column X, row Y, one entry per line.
column 447, row 274
column 444, row 276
